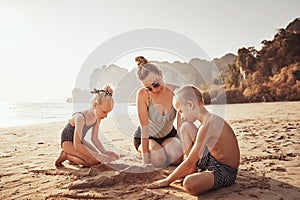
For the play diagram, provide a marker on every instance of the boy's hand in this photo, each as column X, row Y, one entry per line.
column 159, row 184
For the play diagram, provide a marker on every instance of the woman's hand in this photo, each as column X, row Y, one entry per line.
column 146, row 158
column 159, row 184
column 112, row 155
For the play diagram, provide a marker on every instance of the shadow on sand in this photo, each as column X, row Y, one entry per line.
column 251, row 186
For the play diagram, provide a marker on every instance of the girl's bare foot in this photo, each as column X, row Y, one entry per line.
column 71, row 162
column 62, row 157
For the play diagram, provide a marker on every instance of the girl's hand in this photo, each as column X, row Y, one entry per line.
column 104, row 158
column 159, row 184
column 112, row 155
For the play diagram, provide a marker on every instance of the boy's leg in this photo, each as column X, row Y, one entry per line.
column 199, row 182
column 187, row 134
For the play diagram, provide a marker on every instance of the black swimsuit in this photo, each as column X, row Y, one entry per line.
column 68, row 131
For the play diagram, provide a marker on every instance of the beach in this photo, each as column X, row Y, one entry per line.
column 268, row 136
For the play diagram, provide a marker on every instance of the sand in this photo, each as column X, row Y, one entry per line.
column 268, row 135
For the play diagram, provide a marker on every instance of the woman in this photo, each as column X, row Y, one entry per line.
column 156, row 138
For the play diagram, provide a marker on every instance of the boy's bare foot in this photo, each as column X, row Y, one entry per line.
column 167, row 172
column 62, row 157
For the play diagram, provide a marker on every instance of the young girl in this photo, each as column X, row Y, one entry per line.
column 75, row 131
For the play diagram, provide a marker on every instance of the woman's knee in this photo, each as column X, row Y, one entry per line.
column 173, row 150
column 158, row 158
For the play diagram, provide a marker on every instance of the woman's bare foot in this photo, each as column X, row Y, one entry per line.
column 62, row 157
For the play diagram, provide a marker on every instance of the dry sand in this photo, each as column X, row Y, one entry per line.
column 268, row 135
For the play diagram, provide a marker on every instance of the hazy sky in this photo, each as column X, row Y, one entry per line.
column 43, row 43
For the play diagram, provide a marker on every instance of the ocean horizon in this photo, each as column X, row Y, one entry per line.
column 22, row 114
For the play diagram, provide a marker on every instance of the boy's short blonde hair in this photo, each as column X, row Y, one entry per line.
column 188, row 93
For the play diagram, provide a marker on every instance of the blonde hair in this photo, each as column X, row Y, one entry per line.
column 102, row 94
column 189, row 93
column 145, row 67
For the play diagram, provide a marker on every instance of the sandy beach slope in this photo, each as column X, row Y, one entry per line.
column 268, row 135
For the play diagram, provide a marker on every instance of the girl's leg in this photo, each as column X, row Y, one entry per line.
column 173, row 150
column 187, row 135
column 62, row 157
column 76, row 160
column 76, row 156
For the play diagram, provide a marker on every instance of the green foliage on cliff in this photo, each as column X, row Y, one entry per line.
column 271, row 74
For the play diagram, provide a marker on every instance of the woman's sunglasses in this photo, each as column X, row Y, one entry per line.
column 154, row 85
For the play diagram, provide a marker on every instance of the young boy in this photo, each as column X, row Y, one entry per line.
column 215, row 152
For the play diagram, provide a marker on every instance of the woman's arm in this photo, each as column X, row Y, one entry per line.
column 145, row 144
column 142, row 108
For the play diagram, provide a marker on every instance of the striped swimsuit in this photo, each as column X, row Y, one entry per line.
column 224, row 175
column 160, row 125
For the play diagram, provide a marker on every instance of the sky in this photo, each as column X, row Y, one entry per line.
column 44, row 43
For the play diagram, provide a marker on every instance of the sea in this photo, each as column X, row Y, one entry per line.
column 21, row 114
